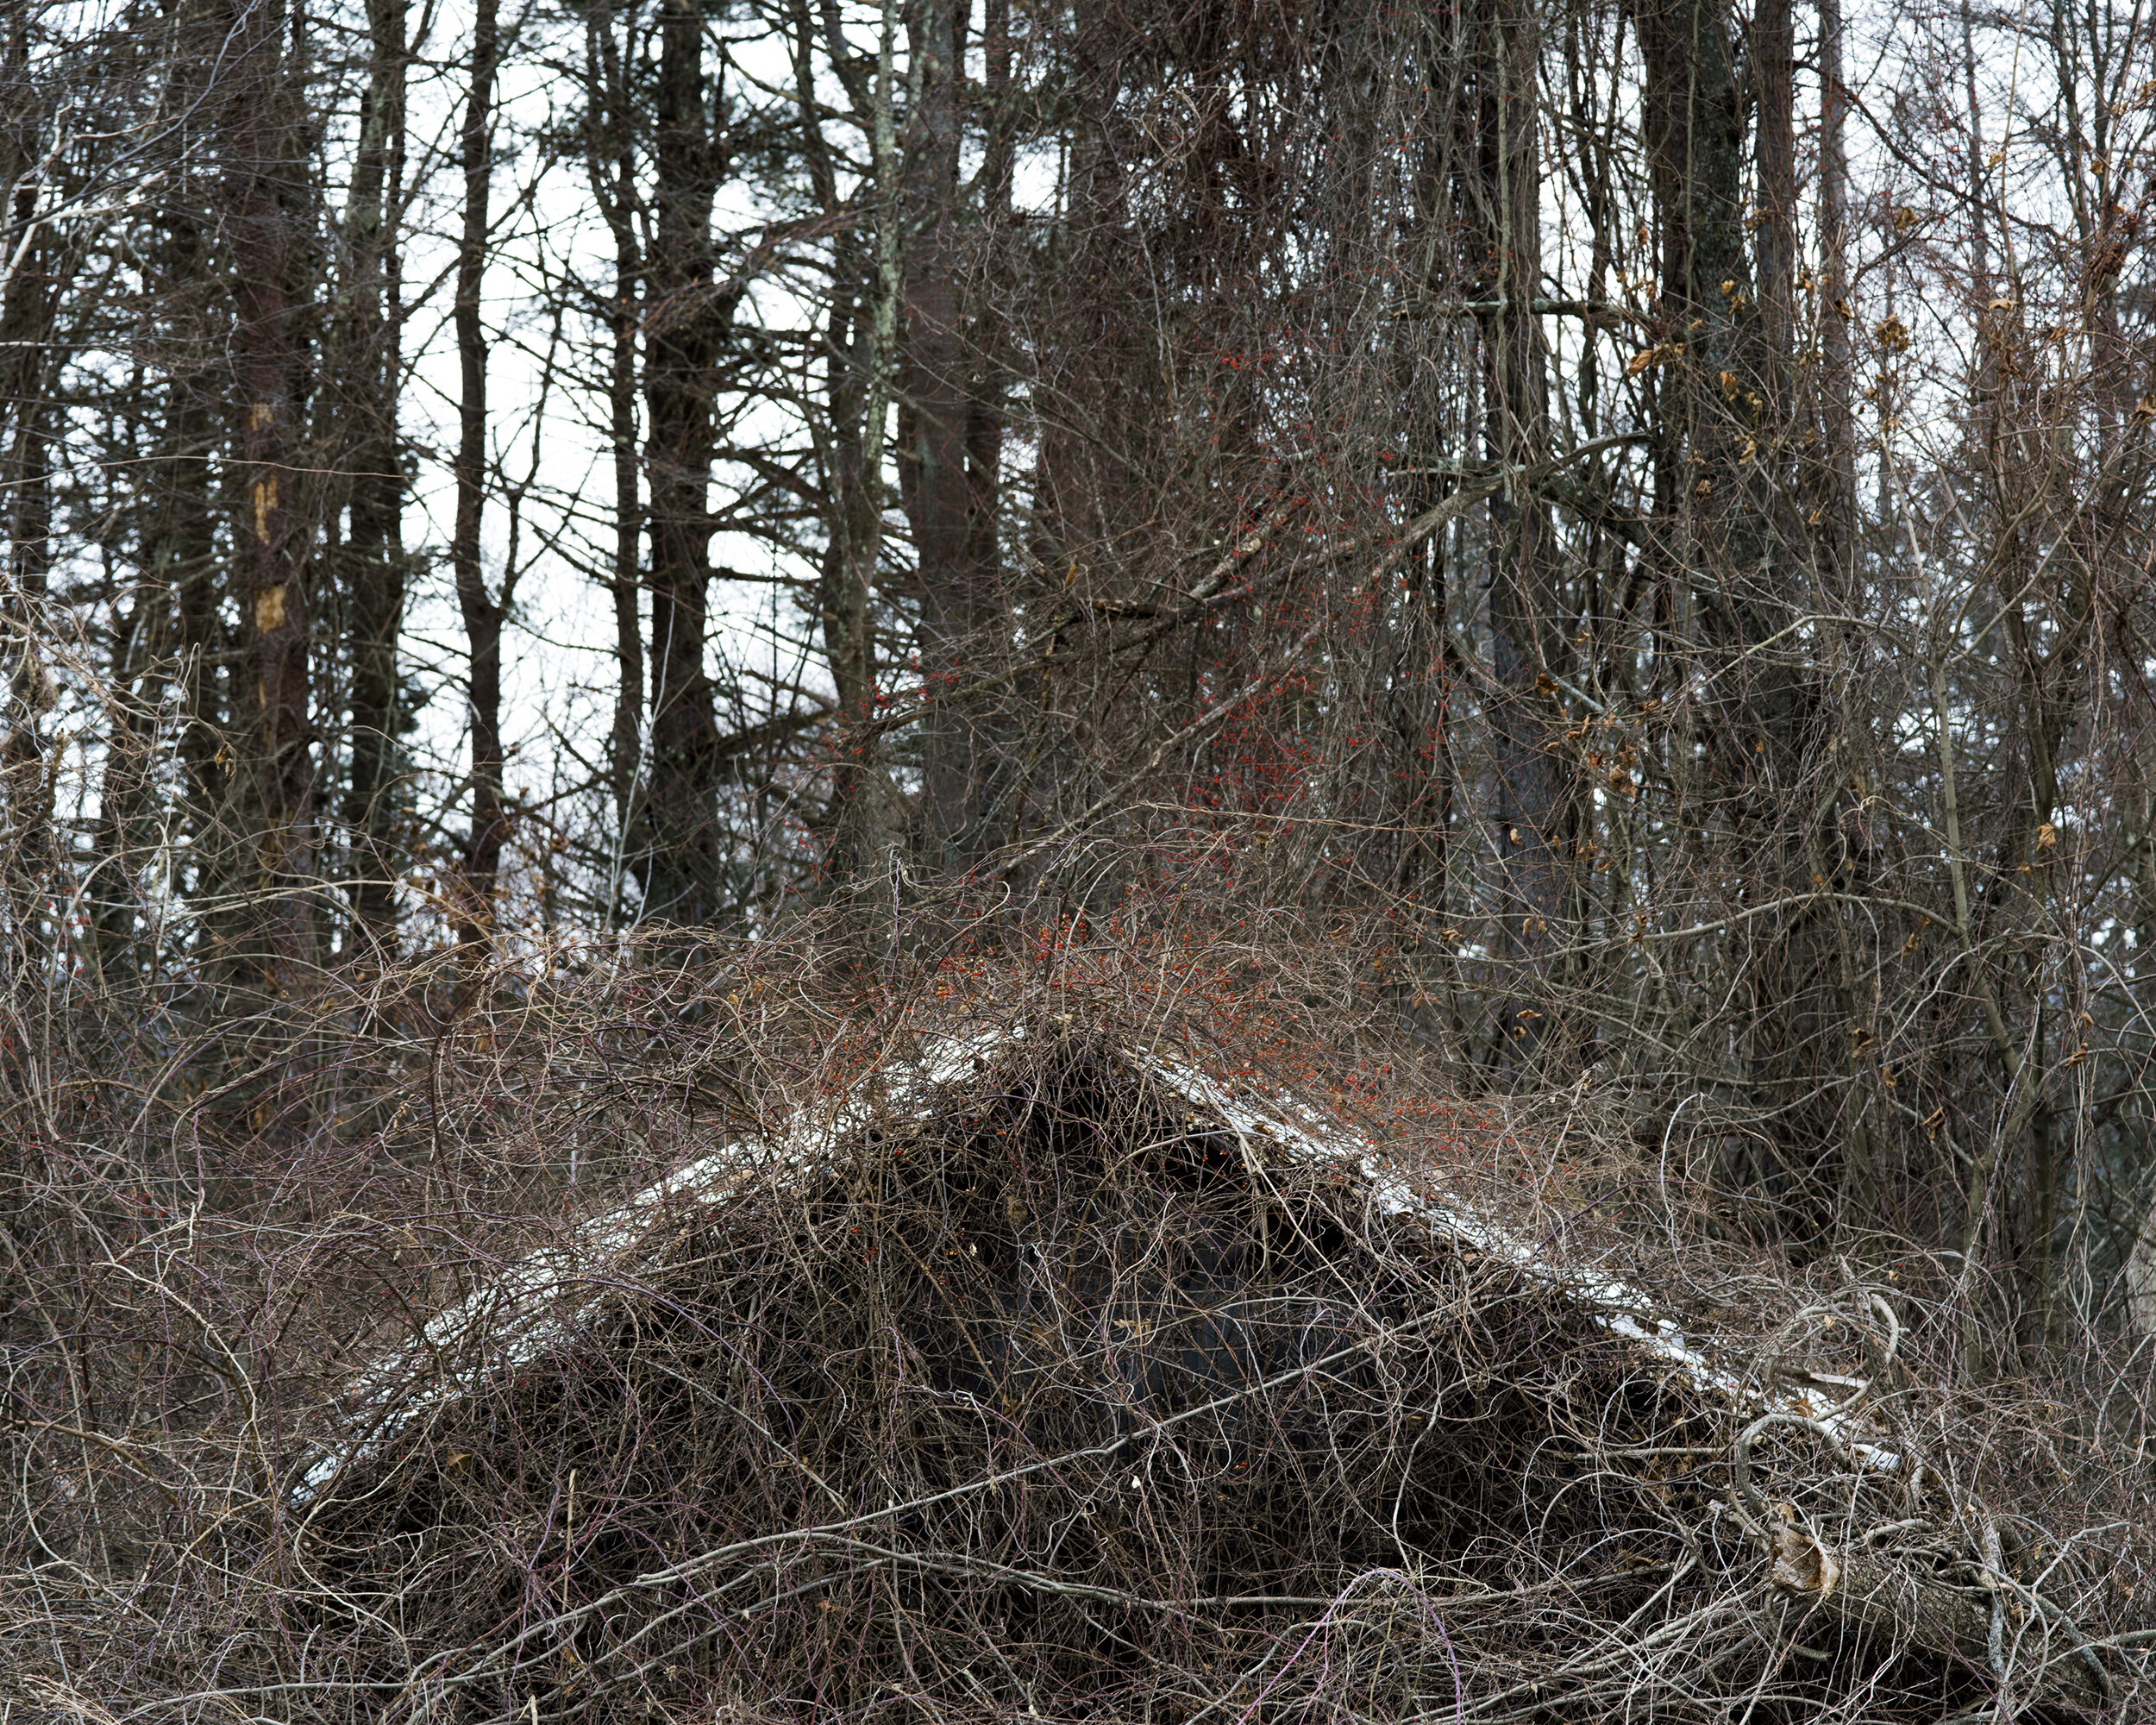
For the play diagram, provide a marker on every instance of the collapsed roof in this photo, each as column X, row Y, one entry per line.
column 1064, row 1345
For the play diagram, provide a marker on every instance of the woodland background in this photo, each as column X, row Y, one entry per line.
column 1600, row 546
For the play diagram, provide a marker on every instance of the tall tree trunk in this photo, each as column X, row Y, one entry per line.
column 1426, row 661
column 612, row 160
column 482, row 615
column 373, row 367
column 1765, row 712
column 188, row 558
column 864, row 342
column 1000, row 787
column 183, row 554
column 115, row 892
column 181, row 547
column 27, row 850
column 940, row 476
column 1533, row 811
column 1774, row 230
column 1834, row 490
column 684, row 323
column 263, row 193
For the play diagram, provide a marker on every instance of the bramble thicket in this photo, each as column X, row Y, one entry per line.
column 1570, row 580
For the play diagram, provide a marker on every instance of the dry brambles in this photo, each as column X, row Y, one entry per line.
column 1014, row 1349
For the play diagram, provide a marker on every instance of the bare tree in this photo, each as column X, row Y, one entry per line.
column 688, row 310
column 482, row 612
column 373, row 364
column 265, row 201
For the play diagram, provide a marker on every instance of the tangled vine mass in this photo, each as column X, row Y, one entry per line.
column 996, row 1363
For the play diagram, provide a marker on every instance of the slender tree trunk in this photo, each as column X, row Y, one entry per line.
column 185, row 556
column 1835, row 494
column 1423, row 725
column 191, row 564
column 25, row 477
column 613, row 168
column 1533, row 815
column 27, row 850
column 1730, row 430
column 482, row 615
column 373, row 367
column 26, row 480
column 115, row 892
column 1774, row 230
column 938, row 483
column 684, row 323
column 264, row 197
column 1000, row 788
column 865, row 337
column 168, row 639
column 1811, row 1010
